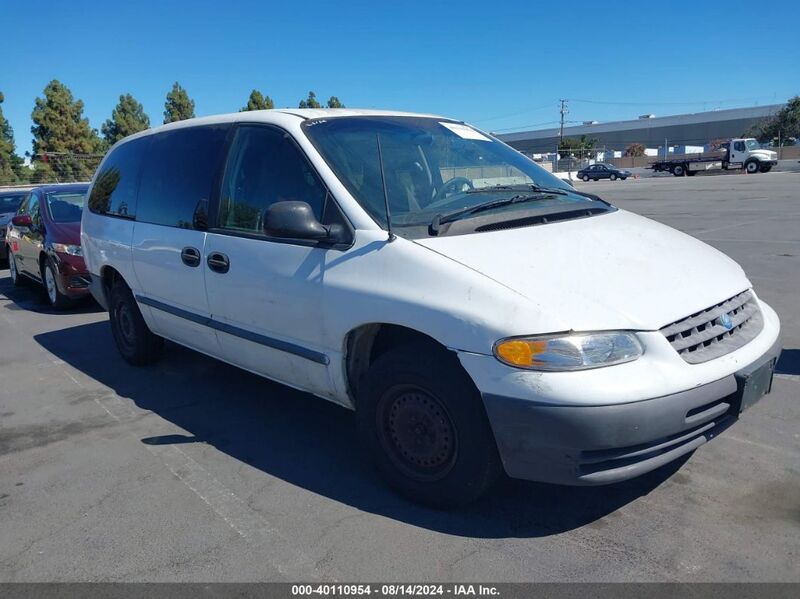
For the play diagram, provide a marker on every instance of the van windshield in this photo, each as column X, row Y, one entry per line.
column 431, row 167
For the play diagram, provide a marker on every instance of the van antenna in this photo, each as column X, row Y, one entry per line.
column 385, row 191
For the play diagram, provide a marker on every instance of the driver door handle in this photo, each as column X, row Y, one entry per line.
column 190, row 256
column 218, row 262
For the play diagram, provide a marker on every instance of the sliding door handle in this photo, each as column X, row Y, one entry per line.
column 218, row 262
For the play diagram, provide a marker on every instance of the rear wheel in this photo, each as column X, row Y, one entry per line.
column 137, row 344
column 679, row 170
column 57, row 300
column 613, row 177
column 423, row 421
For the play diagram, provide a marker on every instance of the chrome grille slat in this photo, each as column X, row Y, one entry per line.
column 701, row 337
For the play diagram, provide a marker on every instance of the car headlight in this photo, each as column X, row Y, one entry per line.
column 570, row 351
column 63, row 248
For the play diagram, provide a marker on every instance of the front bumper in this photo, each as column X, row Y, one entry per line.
column 596, row 445
column 542, row 436
column 73, row 279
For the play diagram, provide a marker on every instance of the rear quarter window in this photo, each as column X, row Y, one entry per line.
column 115, row 186
column 178, row 176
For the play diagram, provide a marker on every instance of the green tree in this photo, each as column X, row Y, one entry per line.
column 334, row 102
column 574, row 147
column 258, row 101
column 179, row 106
column 127, row 118
column 778, row 128
column 9, row 161
column 310, row 102
column 64, row 145
column 634, row 149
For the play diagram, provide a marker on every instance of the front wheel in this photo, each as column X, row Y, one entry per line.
column 751, row 167
column 585, row 178
column 16, row 279
column 422, row 420
column 613, row 177
column 57, row 300
column 137, row 344
column 679, row 170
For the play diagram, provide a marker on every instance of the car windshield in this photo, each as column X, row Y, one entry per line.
column 66, row 206
column 430, row 167
column 10, row 203
column 752, row 144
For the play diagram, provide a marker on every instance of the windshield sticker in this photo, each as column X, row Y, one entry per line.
column 464, row 131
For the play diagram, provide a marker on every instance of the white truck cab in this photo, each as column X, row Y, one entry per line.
column 748, row 154
column 477, row 313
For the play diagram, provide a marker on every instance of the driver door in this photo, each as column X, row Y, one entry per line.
column 266, row 294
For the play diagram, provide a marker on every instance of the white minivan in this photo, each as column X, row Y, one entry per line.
column 477, row 313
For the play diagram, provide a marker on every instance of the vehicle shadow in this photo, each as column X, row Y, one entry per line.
column 312, row 443
column 32, row 298
column 788, row 362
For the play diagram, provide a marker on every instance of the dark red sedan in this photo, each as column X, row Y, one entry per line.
column 44, row 242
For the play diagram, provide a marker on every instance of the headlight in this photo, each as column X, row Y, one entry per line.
column 63, row 248
column 576, row 351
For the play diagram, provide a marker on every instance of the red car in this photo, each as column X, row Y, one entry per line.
column 43, row 243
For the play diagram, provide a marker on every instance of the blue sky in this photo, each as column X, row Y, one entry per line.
column 500, row 65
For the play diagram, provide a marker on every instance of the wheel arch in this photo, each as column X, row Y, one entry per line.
column 365, row 343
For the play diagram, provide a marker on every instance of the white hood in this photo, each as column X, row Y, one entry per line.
column 613, row 271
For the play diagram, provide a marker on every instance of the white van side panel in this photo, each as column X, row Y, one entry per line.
column 106, row 241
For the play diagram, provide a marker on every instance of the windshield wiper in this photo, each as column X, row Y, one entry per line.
column 441, row 219
column 518, row 187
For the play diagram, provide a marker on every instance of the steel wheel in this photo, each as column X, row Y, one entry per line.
column 126, row 327
column 417, row 433
column 751, row 167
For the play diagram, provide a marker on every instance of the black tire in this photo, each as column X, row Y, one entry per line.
column 137, row 344
column 613, row 177
column 17, row 279
column 585, row 178
column 623, row 178
column 56, row 299
column 751, row 166
column 679, row 170
column 450, row 457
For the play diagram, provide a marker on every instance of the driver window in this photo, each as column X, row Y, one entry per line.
column 264, row 166
column 739, row 146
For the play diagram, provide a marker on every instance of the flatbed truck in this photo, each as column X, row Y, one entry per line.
column 740, row 153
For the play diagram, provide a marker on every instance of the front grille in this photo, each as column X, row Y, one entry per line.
column 703, row 336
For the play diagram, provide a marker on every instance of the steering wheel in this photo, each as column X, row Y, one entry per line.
column 452, row 186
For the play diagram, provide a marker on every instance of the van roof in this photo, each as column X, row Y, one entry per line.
column 277, row 116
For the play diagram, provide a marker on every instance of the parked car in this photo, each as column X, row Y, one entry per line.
column 595, row 172
column 43, row 243
column 10, row 199
column 475, row 325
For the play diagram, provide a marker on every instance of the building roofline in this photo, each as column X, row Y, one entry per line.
column 663, row 121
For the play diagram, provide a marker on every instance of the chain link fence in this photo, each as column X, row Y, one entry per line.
column 52, row 167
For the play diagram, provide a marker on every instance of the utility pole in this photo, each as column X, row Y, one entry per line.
column 564, row 111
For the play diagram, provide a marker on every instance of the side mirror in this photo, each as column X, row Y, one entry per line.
column 22, row 220
column 296, row 220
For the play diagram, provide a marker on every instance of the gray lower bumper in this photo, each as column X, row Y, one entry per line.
column 594, row 445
